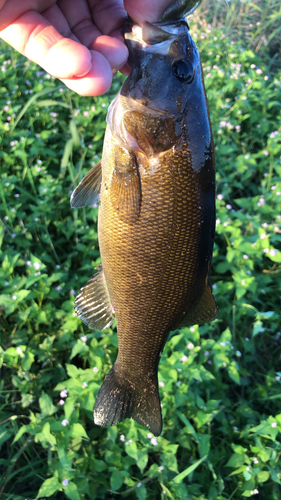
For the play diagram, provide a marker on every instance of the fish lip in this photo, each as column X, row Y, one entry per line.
column 133, row 33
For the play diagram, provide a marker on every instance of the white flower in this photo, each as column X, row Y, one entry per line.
column 122, row 437
column 161, row 384
column 274, row 424
column 65, row 482
column 263, row 236
column 178, row 383
column 84, row 338
column 219, row 196
column 84, row 385
column 190, row 345
column 154, row 441
column 61, row 402
column 184, row 358
column 245, row 256
column 36, row 265
column 19, row 350
column 14, row 297
column 95, row 369
column 63, row 394
column 149, row 435
column 64, row 422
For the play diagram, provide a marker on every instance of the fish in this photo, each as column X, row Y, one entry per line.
column 156, row 223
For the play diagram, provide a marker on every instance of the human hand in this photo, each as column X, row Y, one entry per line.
column 78, row 41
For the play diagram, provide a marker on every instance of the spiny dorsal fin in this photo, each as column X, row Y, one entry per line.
column 204, row 310
column 125, row 190
column 88, row 190
column 92, row 303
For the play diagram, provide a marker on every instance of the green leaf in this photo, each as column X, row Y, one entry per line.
column 233, row 372
column 178, row 479
column 116, row 480
column 47, row 433
column 49, row 487
column 263, row 476
column 5, row 434
column 189, row 427
column 72, row 371
column 78, row 348
column 78, row 431
column 71, row 491
column 142, row 460
column 69, row 407
column 141, row 492
column 204, row 444
column 258, row 325
column 131, row 450
column 27, row 360
column 236, row 460
column 46, row 404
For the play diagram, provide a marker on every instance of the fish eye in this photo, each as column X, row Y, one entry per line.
column 183, row 71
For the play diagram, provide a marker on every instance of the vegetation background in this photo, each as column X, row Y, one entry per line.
column 221, row 383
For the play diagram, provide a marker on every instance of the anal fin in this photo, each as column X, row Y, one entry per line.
column 88, row 190
column 92, row 304
column 203, row 311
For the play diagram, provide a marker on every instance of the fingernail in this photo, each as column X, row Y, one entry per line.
column 114, row 70
column 85, row 72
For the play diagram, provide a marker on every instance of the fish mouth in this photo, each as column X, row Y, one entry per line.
column 154, row 37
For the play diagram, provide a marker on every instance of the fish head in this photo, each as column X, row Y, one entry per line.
column 148, row 114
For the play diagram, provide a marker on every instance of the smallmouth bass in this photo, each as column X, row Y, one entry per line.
column 156, row 218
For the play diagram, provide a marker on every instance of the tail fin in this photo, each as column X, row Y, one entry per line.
column 119, row 398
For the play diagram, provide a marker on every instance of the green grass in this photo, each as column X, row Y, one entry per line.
column 220, row 383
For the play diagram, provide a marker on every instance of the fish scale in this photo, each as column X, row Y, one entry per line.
column 154, row 250
column 156, row 218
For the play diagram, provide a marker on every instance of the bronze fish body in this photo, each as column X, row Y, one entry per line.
column 156, row 218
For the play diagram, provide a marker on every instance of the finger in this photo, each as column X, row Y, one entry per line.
column 112, row 49
column 97, row 81
column 36, row 38
column 108, row 15
column 82, row 26
column 126, row 69
column 146, row 10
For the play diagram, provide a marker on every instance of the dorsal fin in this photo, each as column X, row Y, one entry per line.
column 204, row 310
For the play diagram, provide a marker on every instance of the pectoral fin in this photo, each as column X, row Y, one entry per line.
column 125, row 190
column 87, row 192
column 92, row 303
column 203, row 311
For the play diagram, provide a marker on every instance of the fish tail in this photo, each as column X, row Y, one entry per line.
column 120, row 398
